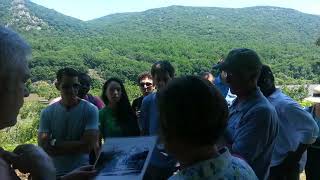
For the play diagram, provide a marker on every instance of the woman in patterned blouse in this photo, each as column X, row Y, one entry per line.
column 193, row 115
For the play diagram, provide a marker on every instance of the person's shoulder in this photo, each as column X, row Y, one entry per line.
column 51, row 107
column 241, row 168
column 263, row 104
column 149, row 97
column 262, row 109
column 280, row 100
column 4, row 170
column 235, row 166
column 87, row 104
column 95, row 98
column 308, row 109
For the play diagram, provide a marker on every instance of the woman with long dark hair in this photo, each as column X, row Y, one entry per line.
column 116, row 118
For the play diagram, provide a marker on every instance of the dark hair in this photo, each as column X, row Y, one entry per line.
column 192, row 110
column 124, row 111
column 243, row 62
column 266, row 81
column 162, row 67
column 66, row 72
column 84, row 76
column 143, row 76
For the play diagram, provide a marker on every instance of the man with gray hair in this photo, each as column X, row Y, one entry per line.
column 14, row 73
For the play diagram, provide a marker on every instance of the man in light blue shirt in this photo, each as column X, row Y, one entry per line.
column 253, row 122
column 68, row 128
column 220, row 83
column 161, row 164
column 297, row 130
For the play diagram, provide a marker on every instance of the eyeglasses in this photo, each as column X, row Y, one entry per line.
column 146, row 84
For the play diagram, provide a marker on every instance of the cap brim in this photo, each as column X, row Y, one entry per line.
column 313, row 99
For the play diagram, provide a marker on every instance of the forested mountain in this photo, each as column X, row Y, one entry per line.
column 192, row 38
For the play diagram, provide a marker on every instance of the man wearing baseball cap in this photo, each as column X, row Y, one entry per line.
column 253, row 121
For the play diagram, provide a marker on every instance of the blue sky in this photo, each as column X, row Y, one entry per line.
column 90, row 9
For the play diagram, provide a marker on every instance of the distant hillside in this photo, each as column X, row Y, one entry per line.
column 271, row 24
column 192, row 38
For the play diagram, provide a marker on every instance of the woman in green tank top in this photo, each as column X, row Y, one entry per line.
column 116, row 118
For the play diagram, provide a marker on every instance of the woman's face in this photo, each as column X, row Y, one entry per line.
column 113, row 92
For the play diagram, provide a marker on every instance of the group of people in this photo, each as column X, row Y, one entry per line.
column 237, row 125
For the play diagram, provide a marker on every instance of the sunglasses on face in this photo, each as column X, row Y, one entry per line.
column 69, row 86
column 146, row 84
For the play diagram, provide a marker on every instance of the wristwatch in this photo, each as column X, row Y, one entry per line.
column 53, row 142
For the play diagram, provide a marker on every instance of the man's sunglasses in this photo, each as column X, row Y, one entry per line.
column 69, row 86
column 146, row 84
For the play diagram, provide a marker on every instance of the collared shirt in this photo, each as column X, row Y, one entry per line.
column 69, row 125
column 230, row 98
column 222, row 87
column 252, row 130
column 222, row 167
column 295, row 126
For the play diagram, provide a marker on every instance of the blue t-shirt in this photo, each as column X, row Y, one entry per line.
column 69, row 125
column 252, row 130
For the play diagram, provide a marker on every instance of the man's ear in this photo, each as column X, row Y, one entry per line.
column 57, row 85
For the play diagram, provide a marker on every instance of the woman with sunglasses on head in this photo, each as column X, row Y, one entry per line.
column 116, row 118
column 146, row 87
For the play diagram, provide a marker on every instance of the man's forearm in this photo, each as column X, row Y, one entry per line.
column 69, row 147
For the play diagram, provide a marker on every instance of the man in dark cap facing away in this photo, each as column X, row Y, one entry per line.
column 253, row 121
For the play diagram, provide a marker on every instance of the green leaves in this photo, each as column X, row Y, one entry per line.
column 318, row 42
column 192, row 38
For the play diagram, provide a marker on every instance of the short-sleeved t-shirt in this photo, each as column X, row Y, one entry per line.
column 69, row 125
